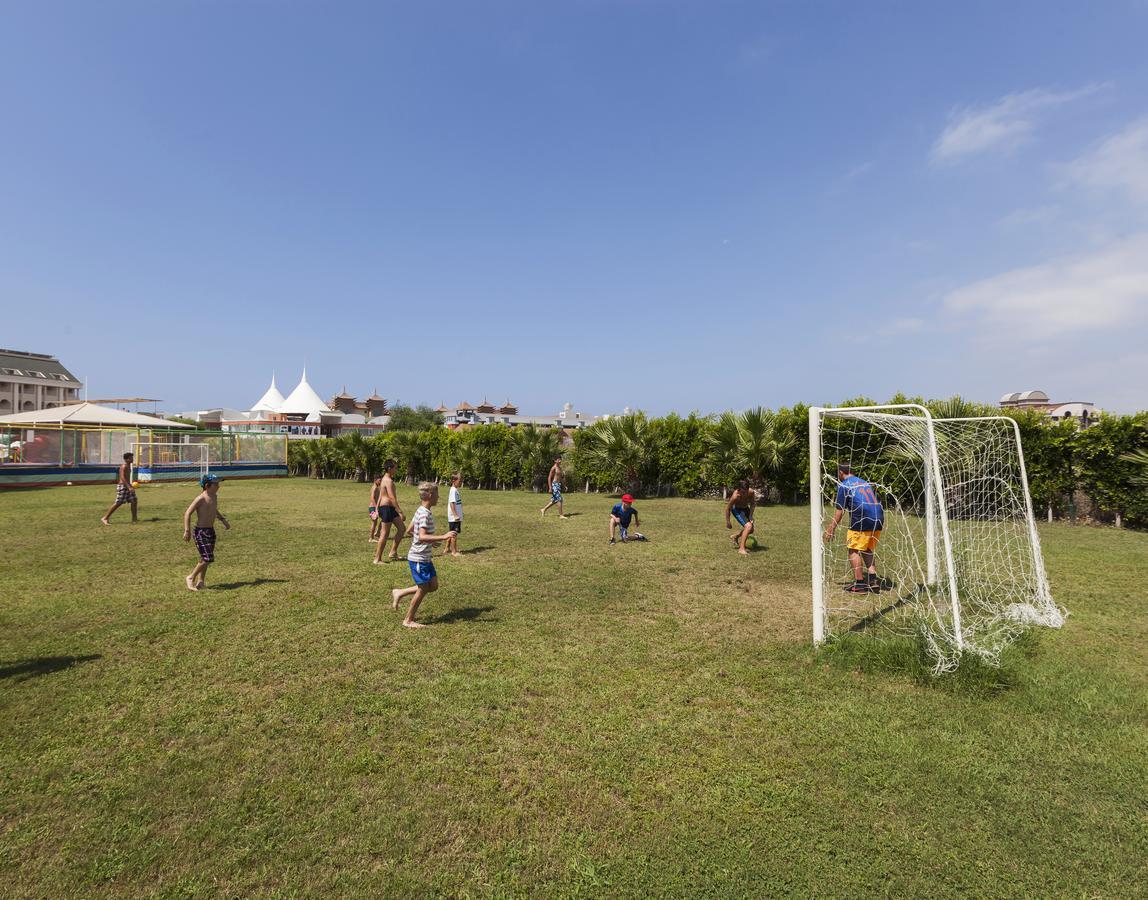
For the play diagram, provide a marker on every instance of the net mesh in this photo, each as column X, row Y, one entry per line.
column 171, row 461
column 958, row 560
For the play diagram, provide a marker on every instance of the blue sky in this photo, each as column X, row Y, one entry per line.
column 667, row 206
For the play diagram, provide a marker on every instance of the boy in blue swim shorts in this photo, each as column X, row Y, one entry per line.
column 423, row 540
column 554, row 485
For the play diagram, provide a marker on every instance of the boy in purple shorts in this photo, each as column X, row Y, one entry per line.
column 206, row 508
column 423, row 539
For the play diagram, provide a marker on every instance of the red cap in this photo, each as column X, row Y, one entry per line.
column 626, row 498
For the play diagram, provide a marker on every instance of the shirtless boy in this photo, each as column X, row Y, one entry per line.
column 125, row 493
column 390, row 513
column 373, row 509
column 741, row 505
column 554, row 485
column 206, row 509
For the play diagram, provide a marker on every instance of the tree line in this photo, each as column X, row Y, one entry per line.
column 1103, row 467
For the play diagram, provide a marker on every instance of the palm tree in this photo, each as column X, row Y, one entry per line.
column 352, row 451
column 535, row 450
column 1140, row 458
column 749, row 444
column 409, row 452
column 464, row 460
column 624, row 446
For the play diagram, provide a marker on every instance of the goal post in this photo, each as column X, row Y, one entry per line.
column 171, row 460
column 958, row 559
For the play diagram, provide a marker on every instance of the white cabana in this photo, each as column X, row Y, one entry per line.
column 89, row 414
column 303, row 401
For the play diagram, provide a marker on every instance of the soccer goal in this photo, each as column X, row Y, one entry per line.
column 170, row 461
column 958, row 559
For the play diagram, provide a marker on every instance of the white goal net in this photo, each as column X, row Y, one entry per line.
column 957, row 560
column 170, row 461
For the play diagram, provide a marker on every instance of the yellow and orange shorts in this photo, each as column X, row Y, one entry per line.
column 864, row 541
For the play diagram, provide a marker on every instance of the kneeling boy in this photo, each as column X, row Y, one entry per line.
column 621, row 516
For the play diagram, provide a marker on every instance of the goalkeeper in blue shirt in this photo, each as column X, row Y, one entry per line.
column 620, row 518
column 866, row 520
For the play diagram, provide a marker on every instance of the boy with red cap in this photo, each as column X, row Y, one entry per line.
column 620, row 517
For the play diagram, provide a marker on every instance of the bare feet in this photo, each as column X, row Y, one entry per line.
column 105, row 521
column 742, row 551
column 456, row 553
column 376, row 562
column 191, row 586
column 543, row 511
column 395, row 598
column 413, row 625
column 563, row 517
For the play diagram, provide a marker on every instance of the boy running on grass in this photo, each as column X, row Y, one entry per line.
column 423, row 539
column 454, row 514
column 866, row 519
column 206, row 509
column 741, row 505
column 373, row 508
column 125, row 493
column 554, row 485
column 621, row 516
column 390, row 513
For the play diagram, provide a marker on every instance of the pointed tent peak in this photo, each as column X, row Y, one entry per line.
column 271, row 399
column 375, row 395
column 304, row 401
column 344, row 395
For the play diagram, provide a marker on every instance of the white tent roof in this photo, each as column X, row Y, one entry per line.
column 88, row 414
column 272, row 400
column 304, row 401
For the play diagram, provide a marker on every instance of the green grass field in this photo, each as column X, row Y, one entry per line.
column 580, row 719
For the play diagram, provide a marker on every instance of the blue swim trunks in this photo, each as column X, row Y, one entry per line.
column 422, row 572
column 556, row 491
column 743, row 514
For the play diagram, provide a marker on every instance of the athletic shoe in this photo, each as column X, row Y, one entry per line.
column 882, row 583
column 860, row 587
column 611, row 540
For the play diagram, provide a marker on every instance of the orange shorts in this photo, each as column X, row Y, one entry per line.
column 865, row 541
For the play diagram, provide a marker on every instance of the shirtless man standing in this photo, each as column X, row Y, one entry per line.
column 125, row 493
column 554, row 485
column 206, row 509
column 741, row 504
column 390, row 513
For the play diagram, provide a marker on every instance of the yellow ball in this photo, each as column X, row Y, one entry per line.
column 135, row 484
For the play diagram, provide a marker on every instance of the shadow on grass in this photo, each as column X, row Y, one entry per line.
column 255, row 582
column 906, row 656
column 466, row 614
column 480, row 549
column 43, row 665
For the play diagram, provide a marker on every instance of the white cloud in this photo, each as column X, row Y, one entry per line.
column 1004, row 126
column 1103, row 290
column 1030, row 217
column 903, row 325
column 1118, row 163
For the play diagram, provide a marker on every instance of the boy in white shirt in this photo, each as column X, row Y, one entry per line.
column 419, row 555
column 454, row 514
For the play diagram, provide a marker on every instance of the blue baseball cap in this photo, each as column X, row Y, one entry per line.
column 208, row 479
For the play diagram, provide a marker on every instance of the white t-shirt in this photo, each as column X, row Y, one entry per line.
column 454, row 498
column 420, row 551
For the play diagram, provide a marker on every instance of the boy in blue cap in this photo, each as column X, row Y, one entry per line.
column 620, row 518
column 206, row 508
